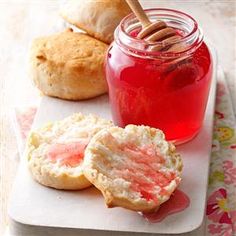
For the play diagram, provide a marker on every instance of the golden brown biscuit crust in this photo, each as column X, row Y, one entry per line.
column 68, row 65
column 98, row 18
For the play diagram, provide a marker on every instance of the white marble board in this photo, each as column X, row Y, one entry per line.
column 33, row 204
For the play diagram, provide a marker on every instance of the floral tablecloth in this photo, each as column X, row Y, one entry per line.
column 221, row 202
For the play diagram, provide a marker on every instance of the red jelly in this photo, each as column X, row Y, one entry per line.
column 166, row 90
column 178, row 202
column 69, row 154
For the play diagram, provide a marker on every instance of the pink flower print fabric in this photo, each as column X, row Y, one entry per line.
column 221, row 203
column 217, row 209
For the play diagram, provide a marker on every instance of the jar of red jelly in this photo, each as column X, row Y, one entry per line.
column 162, row 89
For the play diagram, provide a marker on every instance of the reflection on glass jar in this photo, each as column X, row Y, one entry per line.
column 166, row 90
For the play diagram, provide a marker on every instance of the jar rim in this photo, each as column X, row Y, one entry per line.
column 195, row 31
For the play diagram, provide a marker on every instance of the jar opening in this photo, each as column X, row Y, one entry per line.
column 191, row 34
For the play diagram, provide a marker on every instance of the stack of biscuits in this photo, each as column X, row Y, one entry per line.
column 70, row 65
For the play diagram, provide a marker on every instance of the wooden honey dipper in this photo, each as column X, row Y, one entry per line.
column 155, row 31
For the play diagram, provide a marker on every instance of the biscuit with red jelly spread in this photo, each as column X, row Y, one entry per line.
column 134, row 168
column 55, row 152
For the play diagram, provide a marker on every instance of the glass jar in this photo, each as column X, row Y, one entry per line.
column 162, row 89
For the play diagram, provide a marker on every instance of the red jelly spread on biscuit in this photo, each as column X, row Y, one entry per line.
column 147, row 156
column 69, row 154
column 142, row 171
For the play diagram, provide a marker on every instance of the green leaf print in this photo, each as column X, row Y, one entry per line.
column 216, row 176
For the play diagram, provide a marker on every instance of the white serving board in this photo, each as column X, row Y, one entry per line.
column 33, row 204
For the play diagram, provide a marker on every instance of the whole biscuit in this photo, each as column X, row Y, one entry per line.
column 98, row 18
column 68, row 65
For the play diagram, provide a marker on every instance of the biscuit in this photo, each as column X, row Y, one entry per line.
column 134, row 168
column 98, row 18
column 68, row 65
column 55, row 152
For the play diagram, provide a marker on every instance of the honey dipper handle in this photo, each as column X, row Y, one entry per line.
column 139, row 12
